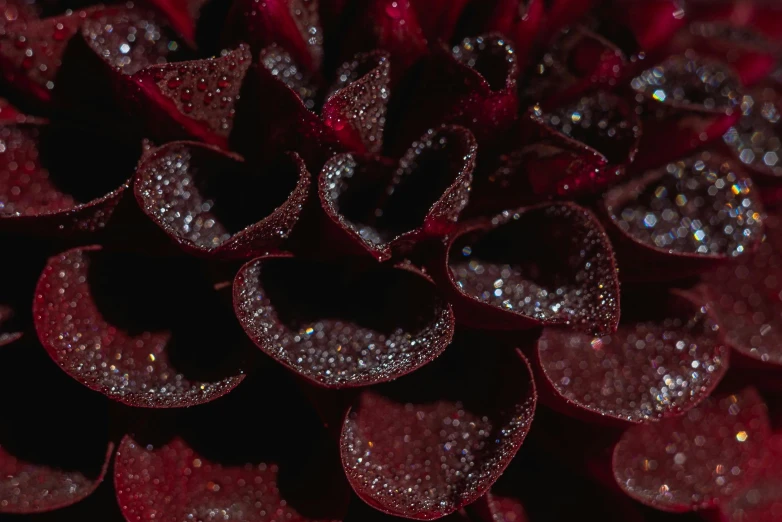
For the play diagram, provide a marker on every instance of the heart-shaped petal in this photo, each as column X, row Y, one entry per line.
column 619, row 375
column 434, row 441
column 60, row 454
column 495, row 279
column 46, row 188
column 304, row 315
column 192, row 99
column 294, row 25
column 135, row 349
column 696, row 460
column 689, row 101
column 192, row 192
column 685, row 216
column 380, row 209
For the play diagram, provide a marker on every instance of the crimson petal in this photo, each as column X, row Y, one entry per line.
column 380, row 209
column 683, row 217
column 438, row 18
column 183, row 15
column 294, row 25
column 126, row 347
column 8, row 112
column 46, row 188
column 521, row 21
column 293, row 310
column 356, row 111
column 694, row 461
column 190, row 99
column 434, row 441
column 618, row 376
column 652, row 24
column 191, row 191
column 543, row 265
column 60, row 454
column 689, row 101
column 760, row 501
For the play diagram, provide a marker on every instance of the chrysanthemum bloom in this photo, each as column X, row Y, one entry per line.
column 363, row 260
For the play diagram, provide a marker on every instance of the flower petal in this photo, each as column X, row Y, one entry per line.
column 543, row 265
column 304, row 315
column 760, row 501
column 57, row 456
column 294, row 25
column 190, row 99
column 520, row 20
column 422, row 198
column 652, row 24
column 8, row 333
column 683, row 217
column 425, row 454
column 208, row 202
column 47, row 188
column 126, row 347
column 689, row 101
column 696, row 460
column 356, row 111
column 438, row 18
column 617, row 376
column 183, row 15
column 8, row 112
column 221, row 460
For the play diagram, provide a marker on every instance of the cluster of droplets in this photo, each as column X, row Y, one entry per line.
column 130, row 40
column 643, row 371
column 339, row 351
column 25, row 187
column 595, row 121
column 282, row 66
column 755, row 138
column 206, row 90
column 690, row 461
column 690, row 82
column 737, row 35
column 133, row 369
column 582, row 297
column 416, row 458
column 171, row 196
column 305, row 16
column 694, row 206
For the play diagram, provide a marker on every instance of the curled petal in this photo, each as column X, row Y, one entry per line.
column 379, row 208
column 95, row 317
column 356, row 111
column 694, row 461
column 745, row 297
column 57, row 456
column 46, row 188
column 521, row 21
column 210, row 204
column 688, row 101
column 304, row 315
column 544, row 265
column 190, row 99
column 31, row 51
column 294, row 25
column 221, row 460
column 683, row 217
column 616, row 377
column 438, row 438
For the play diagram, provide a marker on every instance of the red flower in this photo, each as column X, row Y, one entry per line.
column 479, row 260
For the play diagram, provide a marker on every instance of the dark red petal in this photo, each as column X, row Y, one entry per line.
column 390, row 25
column 755, row 139
column 434, row 441
column 281, row 65
column 305, row 315
column 8, row 112
column 544, row 265
column 15, row 11
column 438, row 18
column 210, row 204
column 101, row 317
column 356, row 111
column 563, row 13
column 294, row 25
column 688, row 102
column 51, row 184
column 381, row 209
column 652, row 24
column 54, row 448
column 760, row 501
column 694, row 461
column 665, row 358
column 221, row 462
column 683, row 217
column 521, row 21
column 496, row 508
column 746, row 299
column 190, row 99
column 182, row 14
column 31, row 51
